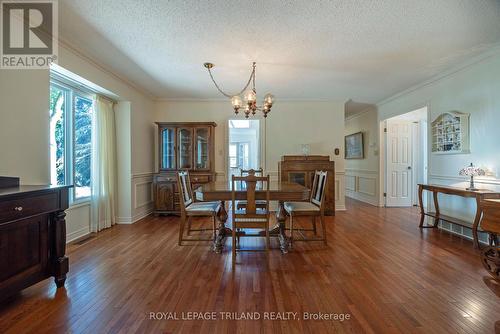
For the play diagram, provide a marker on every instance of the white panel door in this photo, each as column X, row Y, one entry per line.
column 399, row 155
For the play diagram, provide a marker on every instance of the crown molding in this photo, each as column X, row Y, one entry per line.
column 484, row 56
column 190, row 99
column 361, row 113
column 91, row 60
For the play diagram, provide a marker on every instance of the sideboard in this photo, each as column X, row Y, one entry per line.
column 32, row 235
column 300, row 169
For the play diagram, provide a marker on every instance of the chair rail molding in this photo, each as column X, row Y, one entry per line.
column 456, row 178
column 358, row 170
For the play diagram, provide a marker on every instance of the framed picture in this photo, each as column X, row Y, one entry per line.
column 354, row 146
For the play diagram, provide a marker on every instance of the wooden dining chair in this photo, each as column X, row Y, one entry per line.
column 260, row 203
column 314, row 208
column 190, row 208
column 251, row 216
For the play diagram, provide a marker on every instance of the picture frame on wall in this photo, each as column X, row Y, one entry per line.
column 354, row 148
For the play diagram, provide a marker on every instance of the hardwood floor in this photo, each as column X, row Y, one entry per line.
column 378, row 267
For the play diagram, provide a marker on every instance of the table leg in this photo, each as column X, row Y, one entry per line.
column 475, row 226
column 436, row 206
column 61, row 265
column 421, row 204
column 279, row 228
column 223, row 231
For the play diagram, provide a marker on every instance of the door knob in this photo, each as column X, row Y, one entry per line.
column 409, row 168
column 18, row 208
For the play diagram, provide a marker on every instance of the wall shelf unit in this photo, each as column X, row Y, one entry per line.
column 450, row 133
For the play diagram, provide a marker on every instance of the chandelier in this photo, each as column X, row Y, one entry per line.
column 250, row 96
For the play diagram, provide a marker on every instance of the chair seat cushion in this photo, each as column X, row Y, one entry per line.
column 300, row 207
column 203, row 207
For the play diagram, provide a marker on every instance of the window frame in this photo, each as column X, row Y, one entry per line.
column 71, row 92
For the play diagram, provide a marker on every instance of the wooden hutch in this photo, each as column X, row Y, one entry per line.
column 300, row 169
column 182, row 146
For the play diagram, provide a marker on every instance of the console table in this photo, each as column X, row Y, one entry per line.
column 32, row 235
column 436, row 189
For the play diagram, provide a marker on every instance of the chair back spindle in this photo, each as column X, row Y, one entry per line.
column 250, row 183
column 318, row 189
column 185, row 191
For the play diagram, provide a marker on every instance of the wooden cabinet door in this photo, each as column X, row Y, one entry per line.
column 202, row 148
column 164, row 200
column 18, row 261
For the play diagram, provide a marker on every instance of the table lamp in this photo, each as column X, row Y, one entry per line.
column 472, row 171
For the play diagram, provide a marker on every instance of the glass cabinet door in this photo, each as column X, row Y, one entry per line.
column 298, row 177
column 201, row 139
column 168, row 148
column 185, row 148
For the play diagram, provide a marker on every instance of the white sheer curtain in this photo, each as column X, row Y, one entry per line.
column 103, row 166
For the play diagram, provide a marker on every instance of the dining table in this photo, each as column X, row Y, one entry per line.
column 279, row 191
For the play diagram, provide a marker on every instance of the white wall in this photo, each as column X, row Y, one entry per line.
column 24, row 126
column 361, row 175
column 474, row 89
column 290, row 124
column 24, row 106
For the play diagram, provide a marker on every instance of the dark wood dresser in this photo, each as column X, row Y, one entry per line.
column 32, row 235
column 300, row 169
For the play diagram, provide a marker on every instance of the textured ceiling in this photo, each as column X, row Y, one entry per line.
column 359, row 49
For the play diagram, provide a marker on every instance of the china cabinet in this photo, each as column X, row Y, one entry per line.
column 182, row 146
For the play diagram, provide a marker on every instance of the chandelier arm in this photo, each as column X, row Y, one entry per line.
column 252, row 76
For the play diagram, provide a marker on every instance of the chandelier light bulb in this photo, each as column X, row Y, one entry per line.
column 269, row 99
column 250, row 97
column 236, row 101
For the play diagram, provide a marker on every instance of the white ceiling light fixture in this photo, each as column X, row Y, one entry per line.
column 249, row 96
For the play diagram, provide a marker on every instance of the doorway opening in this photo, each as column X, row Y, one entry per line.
column 406, row 157
column 244, row 146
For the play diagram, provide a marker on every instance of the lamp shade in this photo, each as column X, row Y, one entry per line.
column 471, row 170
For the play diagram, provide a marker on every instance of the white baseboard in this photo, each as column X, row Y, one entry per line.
column 362, row 198
column 340, row 207
column 77, row 234
column 124, row 220
column 135, row 218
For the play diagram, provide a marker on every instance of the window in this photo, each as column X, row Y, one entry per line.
column 239, row 124
column 238, row 155
column 71, row 114
column 233, row 158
